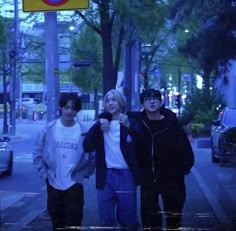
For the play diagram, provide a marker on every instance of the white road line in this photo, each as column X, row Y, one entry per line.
column 8, row 200
column 23, row 157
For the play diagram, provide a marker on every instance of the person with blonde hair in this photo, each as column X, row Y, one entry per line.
column 117, row 172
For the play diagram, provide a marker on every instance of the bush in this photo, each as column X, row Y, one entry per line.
column 200, row 111
column 199, row 129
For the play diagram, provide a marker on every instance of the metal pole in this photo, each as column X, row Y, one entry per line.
column 5, row 108
column 128, row 74
column 135, row 82
column 52, row 64
column 14, row 72
column 179, row 89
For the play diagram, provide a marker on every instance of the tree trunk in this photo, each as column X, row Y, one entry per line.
column 109, row 75
column 206, row 85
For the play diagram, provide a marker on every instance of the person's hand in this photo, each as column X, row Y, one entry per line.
column 104, row 125
column 124, row 120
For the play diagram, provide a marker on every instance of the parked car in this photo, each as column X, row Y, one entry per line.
column 223, row 136
column 28, row 101
column 6, row 157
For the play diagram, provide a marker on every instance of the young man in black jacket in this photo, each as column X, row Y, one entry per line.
column 165, row 156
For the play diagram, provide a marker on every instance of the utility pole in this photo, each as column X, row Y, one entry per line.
column 5, row 108
column 52, row 64
column 14, row 72
column 135, row 80
column 179, row 89
column 128, row 73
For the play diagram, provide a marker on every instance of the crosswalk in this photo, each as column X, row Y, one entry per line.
column 23, row 157
column 17, row 209
column 25, row 211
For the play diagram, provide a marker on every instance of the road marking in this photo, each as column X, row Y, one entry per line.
column 23, row 157
column 24, row 207
column 8, row 200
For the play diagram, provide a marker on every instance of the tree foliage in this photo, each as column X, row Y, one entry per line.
column 3, row 36
column 214, row 42
column 200, row 109
column 88, row 78
column 119, row 22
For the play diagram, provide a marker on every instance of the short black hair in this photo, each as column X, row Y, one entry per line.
column 150, row 93
column 65, row 97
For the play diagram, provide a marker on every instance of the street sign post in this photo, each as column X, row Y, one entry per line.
column 186, row 77
column 50, row 7
column 54, row 5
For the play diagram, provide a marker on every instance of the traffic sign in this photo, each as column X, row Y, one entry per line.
column 54, row 5
column 186, row 77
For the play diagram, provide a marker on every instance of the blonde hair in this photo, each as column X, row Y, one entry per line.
column 118, row 96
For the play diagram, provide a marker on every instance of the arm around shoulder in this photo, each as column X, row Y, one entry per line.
column 91, row 137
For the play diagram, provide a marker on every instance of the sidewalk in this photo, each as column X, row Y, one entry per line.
column 23, row 124
column 217, row 183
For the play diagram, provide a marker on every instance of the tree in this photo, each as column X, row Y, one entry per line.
column 90, row 77
column 32, row 66
column 3, row 36
column 116, row 24
column 201, row 111
column 3, row 44
column 214, row 42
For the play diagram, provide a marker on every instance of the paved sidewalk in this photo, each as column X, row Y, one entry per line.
column 217, row 183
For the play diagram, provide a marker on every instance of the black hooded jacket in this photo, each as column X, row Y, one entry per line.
column 94, row 140
column 163, row 150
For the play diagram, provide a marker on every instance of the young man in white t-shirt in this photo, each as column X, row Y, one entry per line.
column 117, row 172
column 60, row 160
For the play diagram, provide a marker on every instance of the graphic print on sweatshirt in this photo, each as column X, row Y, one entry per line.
column 67, row 153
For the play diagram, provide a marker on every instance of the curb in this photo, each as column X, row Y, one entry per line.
column 223, row 218
column 217, row 208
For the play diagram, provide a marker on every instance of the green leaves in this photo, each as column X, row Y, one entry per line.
column 3, row 36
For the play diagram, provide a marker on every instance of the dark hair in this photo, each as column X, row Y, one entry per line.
column 150, row 93
column 65, row 97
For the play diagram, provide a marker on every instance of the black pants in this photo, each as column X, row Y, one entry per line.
column 65, row 207
column 173, row 195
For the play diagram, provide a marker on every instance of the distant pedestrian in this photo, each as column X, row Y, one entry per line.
column 117, row 172
column 165, row 156
column 59, row 159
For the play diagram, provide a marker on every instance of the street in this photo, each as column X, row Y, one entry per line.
column 210, row 204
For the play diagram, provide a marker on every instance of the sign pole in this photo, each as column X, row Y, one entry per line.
column 14, row 81
column 52, row 64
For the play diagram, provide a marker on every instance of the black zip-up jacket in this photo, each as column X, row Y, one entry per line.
column 94, row 141
column 164, row 152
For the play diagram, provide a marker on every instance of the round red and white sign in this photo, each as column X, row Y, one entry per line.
column 55, row 2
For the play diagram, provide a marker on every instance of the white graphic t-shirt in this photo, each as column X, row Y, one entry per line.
column 113, row 155
column 67, row 155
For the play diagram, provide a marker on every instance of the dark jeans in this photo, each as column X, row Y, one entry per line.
column 173, row 195
column 118, row 201
column 65, row 207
